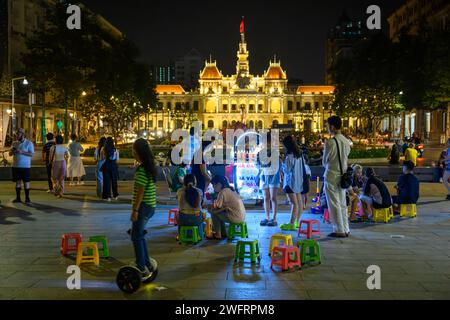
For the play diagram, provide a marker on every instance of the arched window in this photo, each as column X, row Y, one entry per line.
column 274, row 123
column 251, row 124
column 224, row 124
column 210, row 124
column 260, row 124
column 233, row 123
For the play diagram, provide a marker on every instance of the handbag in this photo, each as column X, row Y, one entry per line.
column 346, row 177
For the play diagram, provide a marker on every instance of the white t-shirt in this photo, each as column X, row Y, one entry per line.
column 59, row 152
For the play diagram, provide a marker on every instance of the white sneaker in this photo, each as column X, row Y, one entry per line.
column 116, row 198
column 49, row 191
column 108, row 200
column 80, row 183
column 71, row 184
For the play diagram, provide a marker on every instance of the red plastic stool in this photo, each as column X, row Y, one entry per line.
column 309, row 228
column 66, row 247
column 285, row 261
column 326, row 216
column 173, row 216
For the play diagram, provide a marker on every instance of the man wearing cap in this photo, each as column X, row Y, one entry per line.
column 22, row 151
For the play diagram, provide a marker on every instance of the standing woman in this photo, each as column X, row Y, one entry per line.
column 270, row 183
column 99, row 162
column 75, row 168
column 110, row 170
column 200, row 169
column 144, row 203
column 58, row 158
column 293, row 181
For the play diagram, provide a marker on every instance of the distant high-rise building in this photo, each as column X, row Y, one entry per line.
column 341, row 41
column 415, row 15
column 163, row 74
column 187, row 69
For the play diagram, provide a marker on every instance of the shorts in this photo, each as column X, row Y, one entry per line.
column 306, row 185
column 288, row 190
column 21, row 174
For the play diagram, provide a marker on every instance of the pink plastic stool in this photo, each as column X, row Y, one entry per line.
column 309, row 228
column 326, row 216
column 173, row 216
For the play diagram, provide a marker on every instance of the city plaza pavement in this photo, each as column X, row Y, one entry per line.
column 413, row 254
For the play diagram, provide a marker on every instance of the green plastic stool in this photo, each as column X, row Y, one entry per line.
column 189, row 234
column 241, row 254
column 309, row 251
column 238, row 229
column 103, row 249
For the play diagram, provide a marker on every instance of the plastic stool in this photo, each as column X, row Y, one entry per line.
column 326, row 216
column 189, row 234
column 285, row 261
column 275, row 240
column 103, row 250
column 208, row 227
column 241, row 254
column 89, row 258
column 173, row 216
column 66, row 247
column 408, row 210
column 309, row 228
column 383, row 215
column 309, row 251
column 242, row 232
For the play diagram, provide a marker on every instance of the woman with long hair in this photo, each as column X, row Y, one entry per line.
column 375, row 193
column 99, row 162
column 110, row 170
column 58, row 159
column 143, row 204
column 228, row 207
column 75, row 167
column 293, row 181
column 190, row 204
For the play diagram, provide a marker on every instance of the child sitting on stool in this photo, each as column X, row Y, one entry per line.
column 407, row 187
column 190, row 204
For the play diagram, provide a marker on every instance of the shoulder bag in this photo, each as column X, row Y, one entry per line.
column 346, row 178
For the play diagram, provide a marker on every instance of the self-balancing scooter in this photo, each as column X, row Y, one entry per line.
column 129, row 278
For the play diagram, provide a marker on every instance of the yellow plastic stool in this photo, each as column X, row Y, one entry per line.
column 90, row 258
column 383, row 215
column 286, row 240
column 408, row 210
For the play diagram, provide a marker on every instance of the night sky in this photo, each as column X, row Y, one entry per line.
column 295, row 31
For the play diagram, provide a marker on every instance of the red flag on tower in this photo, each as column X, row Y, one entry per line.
column 241, row 27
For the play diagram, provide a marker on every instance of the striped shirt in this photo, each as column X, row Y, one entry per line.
column 142, row 180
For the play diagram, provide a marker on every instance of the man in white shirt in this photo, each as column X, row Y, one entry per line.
column 335, row 195
column 22, row 151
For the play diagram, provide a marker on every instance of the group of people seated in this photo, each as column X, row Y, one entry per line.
column 226, row 206
column 371, row 192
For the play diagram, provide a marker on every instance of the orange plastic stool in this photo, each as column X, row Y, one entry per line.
column 309, row 228
column 173, row 216
column 285, row 261
column 326, row 216
column 66, row 238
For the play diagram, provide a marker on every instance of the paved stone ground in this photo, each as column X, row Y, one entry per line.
column 31, row 267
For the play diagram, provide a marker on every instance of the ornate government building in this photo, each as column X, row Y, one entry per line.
column 261, row 101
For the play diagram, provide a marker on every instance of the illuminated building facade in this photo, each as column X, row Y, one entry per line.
column 259, row 101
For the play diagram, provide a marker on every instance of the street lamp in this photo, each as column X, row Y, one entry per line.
column 13, row 119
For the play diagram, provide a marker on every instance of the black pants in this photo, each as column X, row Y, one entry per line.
column 49, row 176
column 110, row 178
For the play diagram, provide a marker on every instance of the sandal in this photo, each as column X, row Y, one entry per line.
column 264, row 222
column 288, row 227
column 214, row 238
column 272, row 223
